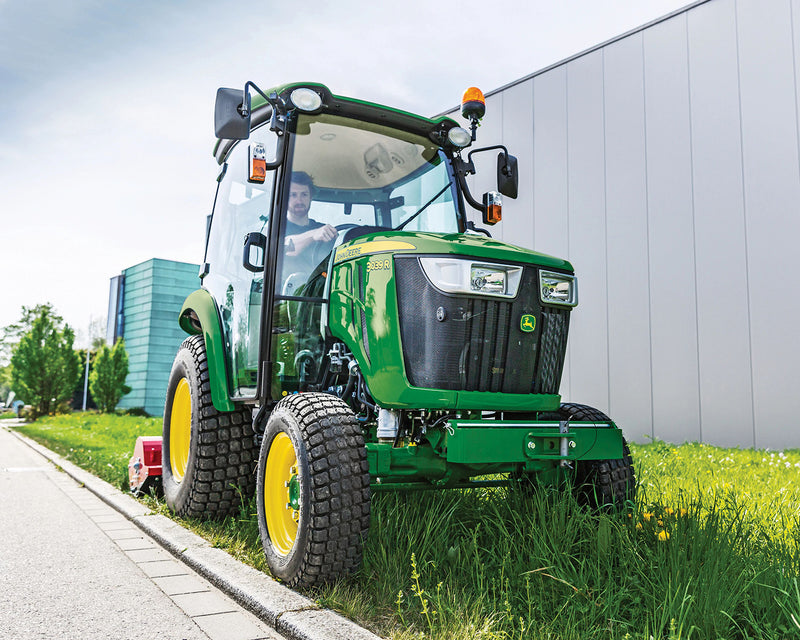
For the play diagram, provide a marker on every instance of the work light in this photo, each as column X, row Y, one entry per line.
column 306, row 99
column 459, row 137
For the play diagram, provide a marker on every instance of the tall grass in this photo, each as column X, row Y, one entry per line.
column 709, row 550
column 503, row 564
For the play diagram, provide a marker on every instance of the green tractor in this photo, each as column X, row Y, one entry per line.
column 355, row 333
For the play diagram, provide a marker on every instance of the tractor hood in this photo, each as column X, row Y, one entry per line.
column 476, row 246
column 421, row 345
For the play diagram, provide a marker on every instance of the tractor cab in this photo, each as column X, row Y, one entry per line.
column 359, row 169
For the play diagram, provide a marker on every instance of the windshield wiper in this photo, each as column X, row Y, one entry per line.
column 421, row 209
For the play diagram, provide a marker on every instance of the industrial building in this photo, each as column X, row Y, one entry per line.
column 144, row 303
column 664, row 165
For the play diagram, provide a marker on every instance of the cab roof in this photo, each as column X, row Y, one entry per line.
column 261, row 109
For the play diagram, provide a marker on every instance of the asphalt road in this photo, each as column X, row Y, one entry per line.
column 72, row 567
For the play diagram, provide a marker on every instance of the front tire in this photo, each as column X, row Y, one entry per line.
column 208, row 456
column 313, row 492
column 598, row 483
column 601, row 483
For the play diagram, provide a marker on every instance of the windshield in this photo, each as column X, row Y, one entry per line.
column 374, row 176
column 346, row 178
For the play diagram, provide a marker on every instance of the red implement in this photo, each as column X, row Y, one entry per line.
column 144, row 469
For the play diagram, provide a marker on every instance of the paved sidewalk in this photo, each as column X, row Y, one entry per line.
column 173, row 558
column 73, row 567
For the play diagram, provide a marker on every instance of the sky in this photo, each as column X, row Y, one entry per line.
column 106, row 109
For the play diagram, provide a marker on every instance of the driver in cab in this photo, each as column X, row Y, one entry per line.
column 302, row 232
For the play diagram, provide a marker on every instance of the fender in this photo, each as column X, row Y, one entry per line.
column 199, row 315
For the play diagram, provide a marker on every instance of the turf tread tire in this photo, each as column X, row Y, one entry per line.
column 220, row 472
column 335, row 494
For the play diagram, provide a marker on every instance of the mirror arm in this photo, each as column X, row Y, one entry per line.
column 246, row 102
column 506, row 169
column 463, row 169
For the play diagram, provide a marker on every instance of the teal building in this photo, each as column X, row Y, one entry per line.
column 144, row 302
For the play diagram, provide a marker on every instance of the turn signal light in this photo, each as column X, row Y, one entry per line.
column 492, row 207
column 258, row 162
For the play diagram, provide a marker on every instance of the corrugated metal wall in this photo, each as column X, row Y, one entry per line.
column 666, row 166
column 154, row 293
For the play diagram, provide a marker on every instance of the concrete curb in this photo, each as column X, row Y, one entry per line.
column 292, row 615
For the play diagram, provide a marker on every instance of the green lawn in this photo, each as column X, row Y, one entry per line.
column 710, row 550
column 100, row 443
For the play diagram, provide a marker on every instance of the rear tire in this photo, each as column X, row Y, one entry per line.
column 313, row 492
column 600, row 483
column 208, row 456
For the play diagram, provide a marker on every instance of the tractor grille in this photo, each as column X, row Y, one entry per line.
column 552, row 349
column 474, row 343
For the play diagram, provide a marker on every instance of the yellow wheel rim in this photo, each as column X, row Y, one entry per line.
column 282, row 494
column 180, row 430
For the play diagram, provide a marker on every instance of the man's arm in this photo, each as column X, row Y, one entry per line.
column 299, row 242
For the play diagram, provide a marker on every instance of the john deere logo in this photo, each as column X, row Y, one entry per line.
column 527, row 323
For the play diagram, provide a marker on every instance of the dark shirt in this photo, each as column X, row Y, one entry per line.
column 303, row 261
column 293, row 229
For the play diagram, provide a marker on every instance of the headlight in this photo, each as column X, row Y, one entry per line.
column 558, row 288
column 483, row 279
column 454, row 275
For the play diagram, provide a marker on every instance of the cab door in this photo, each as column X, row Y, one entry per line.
column 237, row 240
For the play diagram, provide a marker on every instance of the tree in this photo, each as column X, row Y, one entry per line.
column 5, row 382
column 107, row 379
column 44, row 366
column 10, row 335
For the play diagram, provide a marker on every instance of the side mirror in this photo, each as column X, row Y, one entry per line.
column 229, row 123
column 507, row 175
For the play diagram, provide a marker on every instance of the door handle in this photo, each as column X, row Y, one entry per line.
column 258, row 240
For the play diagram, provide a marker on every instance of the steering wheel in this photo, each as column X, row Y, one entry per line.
column 322, row 249
column 346, row 226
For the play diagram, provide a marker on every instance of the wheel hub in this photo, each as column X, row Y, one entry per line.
column 294, row 491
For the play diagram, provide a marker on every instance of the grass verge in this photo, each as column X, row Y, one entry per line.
column 710, row 550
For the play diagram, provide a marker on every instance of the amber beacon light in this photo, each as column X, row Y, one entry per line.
column 473, row 108
column 473, row 104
